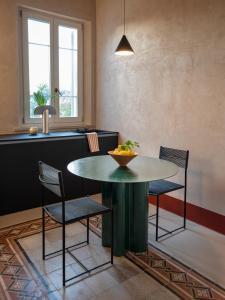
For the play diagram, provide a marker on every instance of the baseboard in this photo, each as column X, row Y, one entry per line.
column 195, row 213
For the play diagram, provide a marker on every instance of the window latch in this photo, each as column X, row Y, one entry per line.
column 58, row 91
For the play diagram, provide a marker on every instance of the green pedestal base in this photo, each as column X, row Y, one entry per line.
column 130, row 206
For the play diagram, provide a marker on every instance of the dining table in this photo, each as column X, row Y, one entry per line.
column 125, row 189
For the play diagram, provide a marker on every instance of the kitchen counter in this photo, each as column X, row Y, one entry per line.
column 20, row 153
column 23, row 137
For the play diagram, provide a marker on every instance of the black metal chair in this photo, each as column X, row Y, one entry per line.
column 68, row 212
column 159, row 187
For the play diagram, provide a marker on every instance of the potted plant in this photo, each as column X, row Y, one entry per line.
column 41, row 97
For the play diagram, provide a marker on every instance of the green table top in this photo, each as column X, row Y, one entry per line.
column 140, row 169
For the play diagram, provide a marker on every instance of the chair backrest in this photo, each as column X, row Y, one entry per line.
column 178, row 157
column 51, row 179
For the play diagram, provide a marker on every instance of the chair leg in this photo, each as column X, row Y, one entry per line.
column 43, row 234
column 185, row 206
column 112, row 237
column 63, row 254
column 87, row 230
column 157, row 219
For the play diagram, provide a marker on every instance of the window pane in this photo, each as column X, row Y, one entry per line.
column 68, row 80
column 68, row 72
column 39, row 60
column 67, row 37
column 38, row 32
column 39, row 69
column 68, row 107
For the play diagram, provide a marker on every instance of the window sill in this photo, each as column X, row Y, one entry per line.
column 61, row 127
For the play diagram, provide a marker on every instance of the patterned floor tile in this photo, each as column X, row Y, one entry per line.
column 19, row 278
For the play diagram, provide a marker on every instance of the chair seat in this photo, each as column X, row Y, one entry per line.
column 159, row 187
column 75, row 209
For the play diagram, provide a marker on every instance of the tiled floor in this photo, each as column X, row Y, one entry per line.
column 122, row 281
column 196, row 247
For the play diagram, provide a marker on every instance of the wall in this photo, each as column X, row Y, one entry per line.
column 9, row 62
column 172, row 91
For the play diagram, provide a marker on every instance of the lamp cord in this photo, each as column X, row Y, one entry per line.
column 124, row 6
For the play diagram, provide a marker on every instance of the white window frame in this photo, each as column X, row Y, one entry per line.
column 54, row 22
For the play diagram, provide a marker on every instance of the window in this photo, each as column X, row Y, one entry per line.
column 52, row 58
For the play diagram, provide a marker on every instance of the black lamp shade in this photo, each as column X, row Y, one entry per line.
column 124, row 48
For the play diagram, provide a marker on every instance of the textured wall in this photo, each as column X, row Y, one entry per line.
column 172, row 91
column 9, row 69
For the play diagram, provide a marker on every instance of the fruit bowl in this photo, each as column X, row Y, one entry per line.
column 122, row 160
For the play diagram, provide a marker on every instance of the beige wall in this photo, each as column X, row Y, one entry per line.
column 172, row 92
column 9, row 67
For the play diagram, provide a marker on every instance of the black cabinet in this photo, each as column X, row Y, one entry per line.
column 20, row 188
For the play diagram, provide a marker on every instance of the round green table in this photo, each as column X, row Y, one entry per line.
column 126, row 190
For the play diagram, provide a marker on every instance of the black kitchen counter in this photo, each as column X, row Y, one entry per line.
column 23, row 137
column 20, row 153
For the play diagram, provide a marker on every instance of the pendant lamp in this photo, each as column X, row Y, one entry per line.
column 124, row 48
